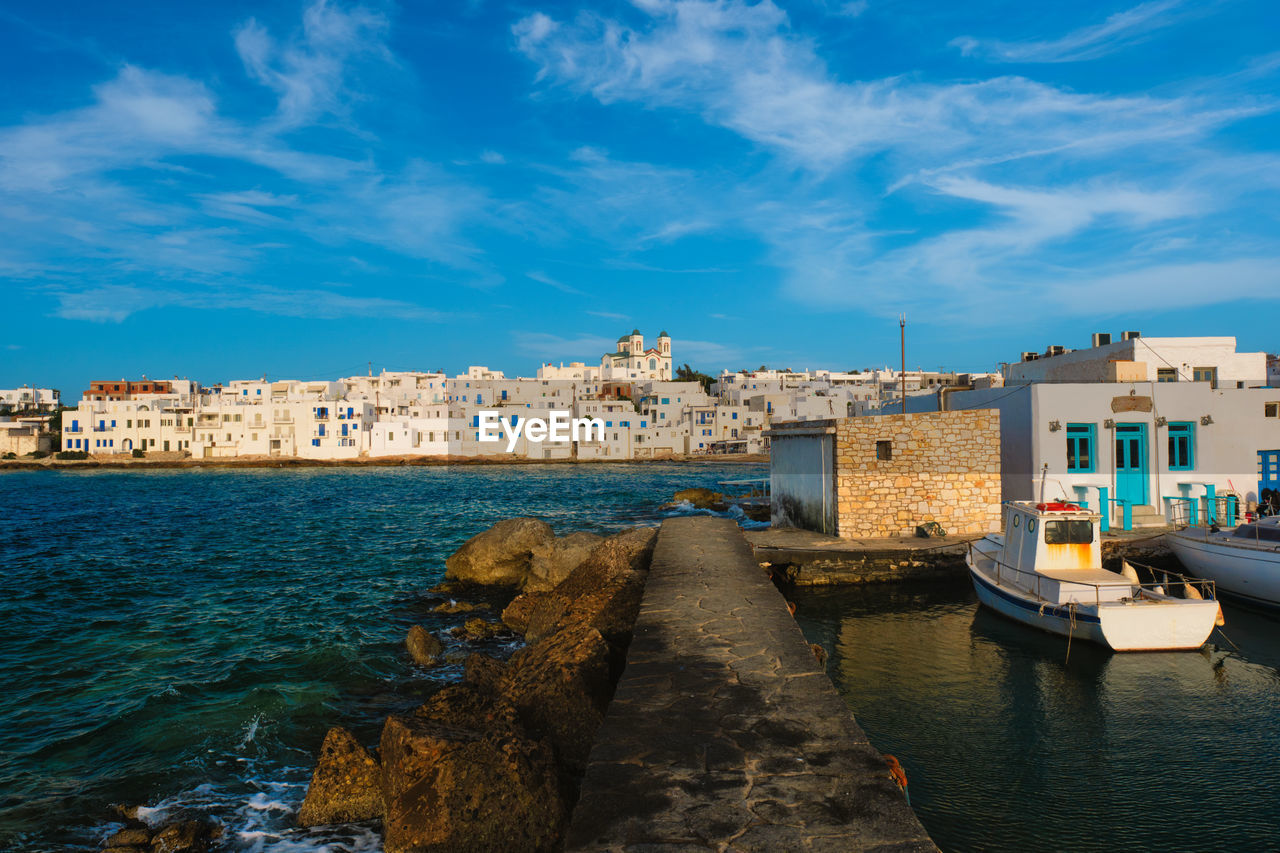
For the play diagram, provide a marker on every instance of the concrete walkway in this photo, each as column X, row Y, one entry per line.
column 724, row 734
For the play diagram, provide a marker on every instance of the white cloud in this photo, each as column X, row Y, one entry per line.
column 740, row 66
column 585, row 348
column 1117, row 31
column 309, row 72
column 115, row 303
column 110, row 188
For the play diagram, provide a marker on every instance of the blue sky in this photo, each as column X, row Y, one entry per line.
column 294, row 189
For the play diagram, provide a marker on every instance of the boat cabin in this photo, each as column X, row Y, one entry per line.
column 1055, row 551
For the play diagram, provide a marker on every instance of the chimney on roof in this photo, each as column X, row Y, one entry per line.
column 1101, row 339
column 1056, row 349
column 1030, row 356
column 1128, row 336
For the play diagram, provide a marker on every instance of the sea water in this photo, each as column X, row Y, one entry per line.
column 1010, row 743
column 183, row 638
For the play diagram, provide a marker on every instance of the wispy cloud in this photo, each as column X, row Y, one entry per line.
column 585, row 348
column 739, row 66
column 309, row 72
column 114, row 303
column 111, row 190
column 607, row 315
column 543, row 278
column 1092, row 42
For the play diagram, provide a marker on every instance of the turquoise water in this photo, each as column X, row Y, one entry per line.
column 1008, row 745
column 183, row 639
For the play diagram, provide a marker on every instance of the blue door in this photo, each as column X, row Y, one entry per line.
column 1131, row 463
column 1268, row 470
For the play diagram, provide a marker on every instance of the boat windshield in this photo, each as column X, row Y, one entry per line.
column 1068, row 532
column 1264, row 532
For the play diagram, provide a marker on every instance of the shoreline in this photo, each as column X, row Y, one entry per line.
column 51, row 464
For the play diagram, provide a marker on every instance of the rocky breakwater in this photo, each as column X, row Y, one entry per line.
column 493, row 763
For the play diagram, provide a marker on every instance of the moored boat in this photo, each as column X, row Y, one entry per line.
column 1046, row 571
column 1243, row 561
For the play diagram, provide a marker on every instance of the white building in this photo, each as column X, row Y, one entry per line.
column 29, row 399
column 1137, row 359
column 1147, row 444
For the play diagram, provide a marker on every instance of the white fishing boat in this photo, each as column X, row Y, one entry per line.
column 1046, row 571
column 1243, row 561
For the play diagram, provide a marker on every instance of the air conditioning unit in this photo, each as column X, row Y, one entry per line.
column 1030, row 356
column 1128, row 336
column 1101, row 339
column 1056, row 350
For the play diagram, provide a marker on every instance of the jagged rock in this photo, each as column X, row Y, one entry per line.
column 484, row 672
column 469, row 706
column 451, row 606
column 517, row 613
column 604, row 592
column 128, row 848
column 469, row 783
column 478, row 629
column 701, row 498
column 561, row 687
column 186, row 836
column 129, row 813
column 500, row 555
column 424, row 647
column 130, row 836
column 553, row 562
column 346, row 784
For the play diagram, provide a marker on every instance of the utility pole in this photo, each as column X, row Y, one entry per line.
column 902, row 329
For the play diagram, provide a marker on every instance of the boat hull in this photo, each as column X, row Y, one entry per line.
column 1247, row 573
column 1165, row 625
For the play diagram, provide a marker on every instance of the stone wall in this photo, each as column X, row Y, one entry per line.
column 942, row 466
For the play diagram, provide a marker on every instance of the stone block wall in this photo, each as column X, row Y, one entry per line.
column 943, row 467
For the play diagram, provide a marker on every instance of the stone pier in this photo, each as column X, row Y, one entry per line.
column 724, row 733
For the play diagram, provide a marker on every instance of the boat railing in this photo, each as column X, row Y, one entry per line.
column 1162, row 582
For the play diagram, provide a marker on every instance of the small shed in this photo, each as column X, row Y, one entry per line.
column 882, row 475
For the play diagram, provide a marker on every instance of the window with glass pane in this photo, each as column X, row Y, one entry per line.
column 1206, row 374
column 1068, row 532
column 1182, row 446
column 1166, row 374
column 1080, row 444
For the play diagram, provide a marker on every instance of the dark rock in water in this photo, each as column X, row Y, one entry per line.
column 128, row 848
column 561, row 687
column 186, row 836
column 701, row 498
column 516, row 615
column 451, row 606
column 449, row 588
column 129, row 813
column 131, row 836
column 478, row 629
column 604, row 592
column 501, row 555
column 346, row 784
column 424, row 647
column 485, row 672
column 474, row 787
column 554, row 562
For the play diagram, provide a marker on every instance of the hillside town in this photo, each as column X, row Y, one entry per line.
column 1198, row 414
column 648, row 412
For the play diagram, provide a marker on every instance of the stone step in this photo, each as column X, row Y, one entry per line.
column 1142, row 516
